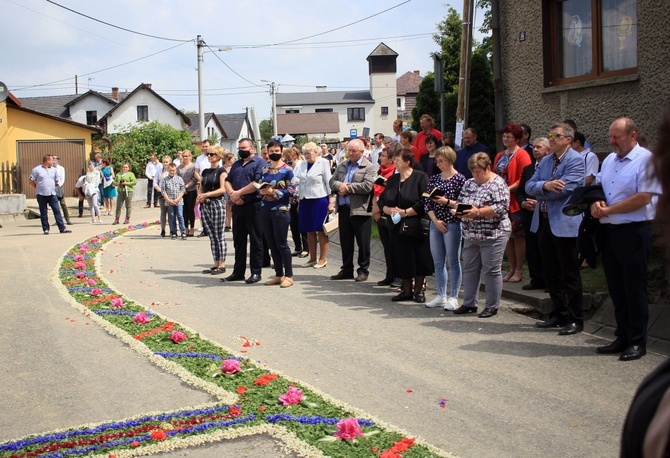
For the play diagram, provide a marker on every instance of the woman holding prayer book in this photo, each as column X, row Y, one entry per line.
column 486, row 228
column 445, row 228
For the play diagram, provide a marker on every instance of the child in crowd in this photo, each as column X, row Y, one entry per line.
column 173, row 190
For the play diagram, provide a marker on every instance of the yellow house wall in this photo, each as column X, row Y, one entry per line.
column 19, row 125
column 4, row 142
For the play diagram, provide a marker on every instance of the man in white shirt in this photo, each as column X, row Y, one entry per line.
column 625, row 223
column 60, row 170
column 397, row 130
column 153, row 167
column 378, row 147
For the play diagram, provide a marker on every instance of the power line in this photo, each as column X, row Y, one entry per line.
column 115, row 26
column 360, row 40
column 229, row 67
column 102, row 70
column 331, row 30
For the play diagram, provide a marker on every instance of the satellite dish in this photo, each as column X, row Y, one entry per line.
column 3, row 92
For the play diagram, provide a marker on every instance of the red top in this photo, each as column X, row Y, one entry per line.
column 519, row 160
column 420, row 142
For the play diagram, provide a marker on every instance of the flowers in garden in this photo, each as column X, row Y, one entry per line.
column 141, row 318
column 90, row 281
column 96, row 292
column 230, row 366
column 348, row 429
column 158, row 434
column 116, row 303
column 178, row 336
column 264, row 380
column 80, row 275
column 292, row 396
column 79, row 258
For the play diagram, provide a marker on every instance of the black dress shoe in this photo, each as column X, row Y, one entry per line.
column 531, row 286
column 362, row 277
column 633, row 353
column 402, row 297
column 617, row 346
column 385, row 282
column 420, row 298
column 571, row 328
column 233, row 277
column 552, row 322
column 463, row 310
column 488, row 312
column 254, row 278
column 342, row 275
column 202, row 234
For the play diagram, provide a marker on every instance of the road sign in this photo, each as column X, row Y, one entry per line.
column 353, row 133
column 3, row 92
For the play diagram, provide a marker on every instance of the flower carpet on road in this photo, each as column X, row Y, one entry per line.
column 250, row 399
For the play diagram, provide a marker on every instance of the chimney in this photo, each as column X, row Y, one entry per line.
column 148, row 85
column 417, row 72
column 115, row 93
column 321, row 88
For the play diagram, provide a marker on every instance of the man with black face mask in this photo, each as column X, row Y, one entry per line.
column 246, row 200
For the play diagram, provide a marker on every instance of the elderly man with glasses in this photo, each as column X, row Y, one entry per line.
column 352, row 182
column 552, row 184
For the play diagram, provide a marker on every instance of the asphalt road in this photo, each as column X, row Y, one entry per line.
column 511, row 389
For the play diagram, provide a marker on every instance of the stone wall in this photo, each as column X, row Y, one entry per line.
column 592, row 105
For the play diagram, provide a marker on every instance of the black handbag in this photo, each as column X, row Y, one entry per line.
column 414, row 227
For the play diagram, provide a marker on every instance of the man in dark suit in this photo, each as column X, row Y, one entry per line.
column 528, row 202
column 472, row 147
column 552, row 185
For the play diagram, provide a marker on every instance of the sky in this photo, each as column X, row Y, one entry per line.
column 43, row 46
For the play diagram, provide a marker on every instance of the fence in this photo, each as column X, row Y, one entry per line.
column 10, row 178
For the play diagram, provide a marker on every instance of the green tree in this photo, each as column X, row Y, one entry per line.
column 448, row 38
column 265, row 126
column 135, row 144
column 482, row 104
column 427, row 102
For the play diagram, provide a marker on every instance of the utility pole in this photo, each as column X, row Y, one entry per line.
column 438, row 72
column 76, row 85
column 273, row 93
column 466, row 59
column 497, row 71
column 201, row 110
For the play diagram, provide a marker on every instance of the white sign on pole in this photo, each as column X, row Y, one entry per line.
column 459, row 133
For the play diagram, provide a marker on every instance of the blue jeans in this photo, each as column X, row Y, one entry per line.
column 446, row 249
column 52, row 201
column 176, row 213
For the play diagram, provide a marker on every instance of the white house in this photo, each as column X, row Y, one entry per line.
column 359, row 112
column 143, row 104
column 229, row 128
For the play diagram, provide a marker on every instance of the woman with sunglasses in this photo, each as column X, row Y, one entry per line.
column 213, row 208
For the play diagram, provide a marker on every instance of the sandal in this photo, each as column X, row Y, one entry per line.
column 508, row 276
column 209, row 271
column 517, row 277
column 218, row 270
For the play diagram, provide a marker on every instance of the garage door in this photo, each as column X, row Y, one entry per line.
column 72, row 155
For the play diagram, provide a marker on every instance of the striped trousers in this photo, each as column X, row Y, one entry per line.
column 213, row 215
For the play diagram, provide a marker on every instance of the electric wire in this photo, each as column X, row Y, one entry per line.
column 115, row 26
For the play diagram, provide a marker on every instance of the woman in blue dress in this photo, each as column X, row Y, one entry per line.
column 108, row 190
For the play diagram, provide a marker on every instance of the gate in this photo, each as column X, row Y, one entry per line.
column 72, row 154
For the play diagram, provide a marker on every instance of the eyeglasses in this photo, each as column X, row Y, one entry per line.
column 554, row 135
column 211, row 154
column 441, row 161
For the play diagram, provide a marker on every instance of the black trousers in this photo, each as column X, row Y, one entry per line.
column 386, row 243
column 533, row 256
column 150, row 189
column 354, row 228
column 247, row 225
column 561, row 273
column 299, row 238
column 626, row 251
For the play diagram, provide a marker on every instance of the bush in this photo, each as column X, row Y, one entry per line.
column 136, row 144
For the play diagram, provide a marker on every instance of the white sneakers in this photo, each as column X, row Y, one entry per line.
column 451, row 304
column 439, row 301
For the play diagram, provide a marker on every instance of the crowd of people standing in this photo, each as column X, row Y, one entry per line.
column 439, row 212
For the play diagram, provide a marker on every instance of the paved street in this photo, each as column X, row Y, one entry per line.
column 512, row 390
